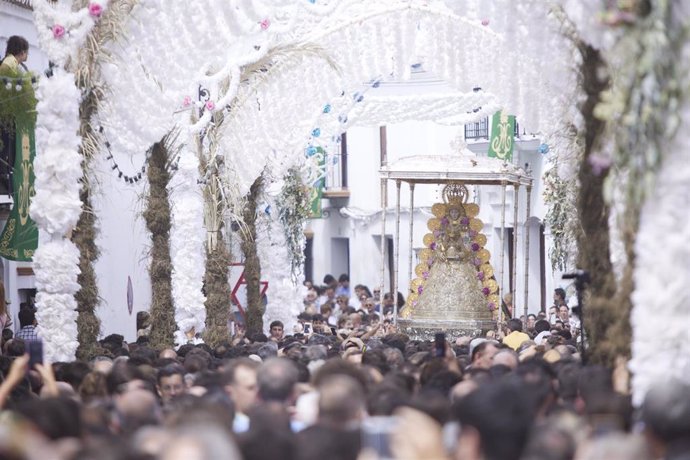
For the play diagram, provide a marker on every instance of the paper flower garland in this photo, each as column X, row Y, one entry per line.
column 56, row 205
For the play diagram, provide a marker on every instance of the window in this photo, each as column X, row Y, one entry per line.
column 478, row 130
column 309, row 258
column 336, row 166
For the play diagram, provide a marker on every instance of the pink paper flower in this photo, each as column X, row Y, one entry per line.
column 476, row 247
column 485, row 22
column 432, row 246
column 486, row 291
column 187, row 101
column 480, row 276
column 265, row 24
column 420, row 289
column 492, row 306
column 58, row 31
column 425, row 275
column 95, row 10
column 472, row 233
column 477, row 261
column 210, row 105
column 465, row 221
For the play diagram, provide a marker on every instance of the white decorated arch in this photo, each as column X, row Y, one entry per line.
column 273, row 66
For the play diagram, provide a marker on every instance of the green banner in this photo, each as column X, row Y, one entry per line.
column 502, row 136
column 318, row 186
column 19, row 238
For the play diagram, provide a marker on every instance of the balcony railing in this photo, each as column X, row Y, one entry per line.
column 480, row 129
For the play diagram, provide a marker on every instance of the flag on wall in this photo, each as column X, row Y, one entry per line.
column 502, row 136
column 319, row 184
column 19, row 238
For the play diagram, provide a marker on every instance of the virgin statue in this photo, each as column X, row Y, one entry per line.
column 454, row 290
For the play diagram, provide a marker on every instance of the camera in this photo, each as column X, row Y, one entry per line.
column 440, row 345
column 35, row 350
column 376, row 435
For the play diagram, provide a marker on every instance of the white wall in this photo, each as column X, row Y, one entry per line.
column 124, row 243
column 19, row 21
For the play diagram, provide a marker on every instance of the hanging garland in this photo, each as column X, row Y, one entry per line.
column 294, row 210
column 559, row 197
column 17, row 99
column 131, row 178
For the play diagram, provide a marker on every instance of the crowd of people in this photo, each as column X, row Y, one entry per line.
column 343, row 384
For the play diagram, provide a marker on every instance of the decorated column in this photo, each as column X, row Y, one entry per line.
column 56, row 207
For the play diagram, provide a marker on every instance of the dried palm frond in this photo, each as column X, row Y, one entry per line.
column 277, row 60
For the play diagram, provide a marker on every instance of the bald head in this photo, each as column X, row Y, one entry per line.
column 276, row 379
column 666, row 410
column 506, row 357
column 137, row 408
column 168, row 353
column 341, row 400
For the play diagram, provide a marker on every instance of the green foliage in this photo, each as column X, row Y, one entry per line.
column 217, row 295
column 88, row 324
column 641, row 106
column 561, row 216
column 84, row 238
column 15, row 104
column 294, row 209
column 252, row 264
column 157, row 217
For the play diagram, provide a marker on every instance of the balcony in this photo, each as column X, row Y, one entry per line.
column 480, row 130
column 336, row 172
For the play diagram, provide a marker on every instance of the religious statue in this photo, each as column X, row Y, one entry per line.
column 454, row 288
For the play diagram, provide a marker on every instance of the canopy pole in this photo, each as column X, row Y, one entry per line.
column 384, row 204
column 409, row 272
column 503, row 235
column 513, row 278
column 526, row 237
column 396, row 251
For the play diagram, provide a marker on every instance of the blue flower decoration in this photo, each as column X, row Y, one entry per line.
column 327, row 108
column 311, row 151
column 544, row 149
column 268, row 210
column 316, row 132
column 358, row 97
